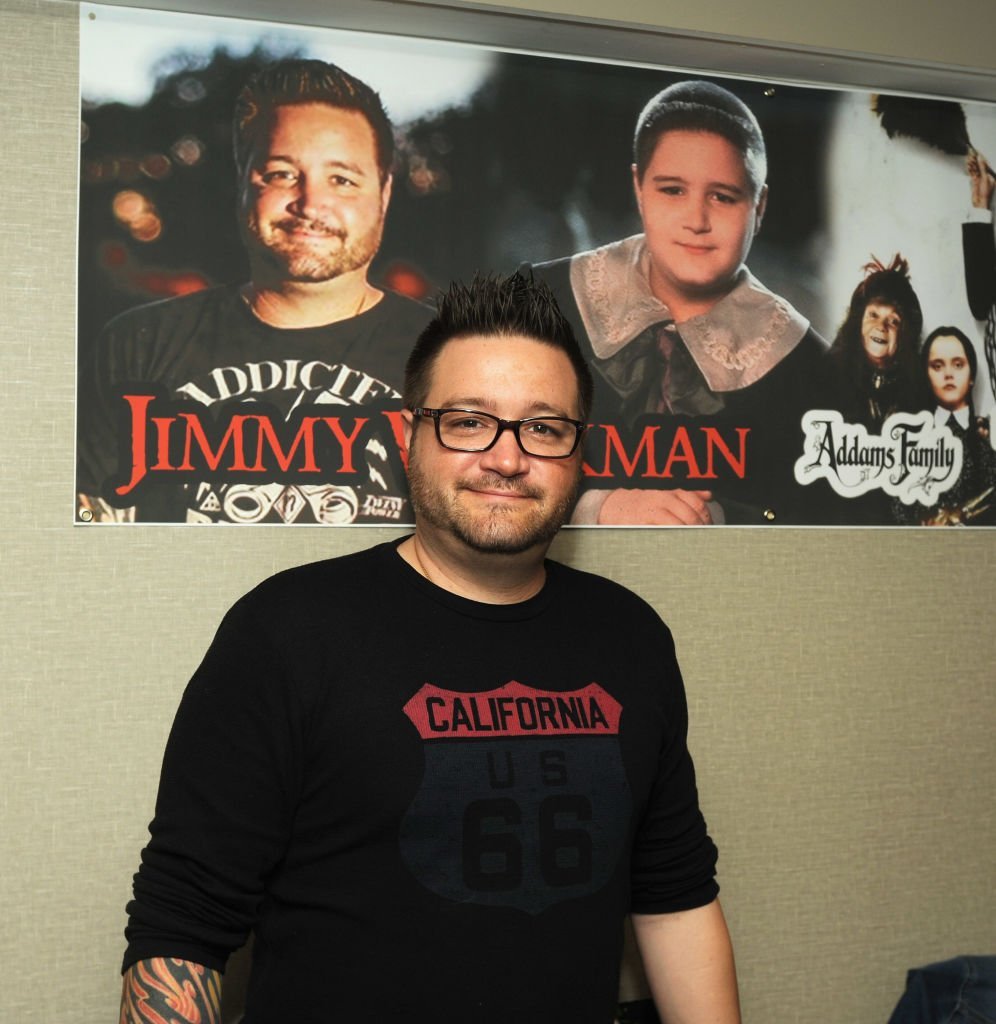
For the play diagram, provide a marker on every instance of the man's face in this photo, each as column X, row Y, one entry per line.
column 949, row 372
column 502, row 500
column 312, row 203
column 880, row 326
column 699, row 215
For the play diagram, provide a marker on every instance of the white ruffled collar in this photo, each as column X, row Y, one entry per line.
column 746, row 334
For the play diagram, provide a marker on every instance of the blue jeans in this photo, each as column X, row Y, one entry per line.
column 958, row 991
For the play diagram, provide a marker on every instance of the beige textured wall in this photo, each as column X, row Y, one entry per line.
column 957, row 32
column 841, row 683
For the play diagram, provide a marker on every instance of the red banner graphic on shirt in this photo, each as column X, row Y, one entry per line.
column 513, row 710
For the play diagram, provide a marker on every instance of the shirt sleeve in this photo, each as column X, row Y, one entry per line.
column 227, row 792
column 979, row 245
column 674, row 860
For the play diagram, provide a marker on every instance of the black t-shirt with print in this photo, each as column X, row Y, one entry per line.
column 426, row 808
column 199, row 412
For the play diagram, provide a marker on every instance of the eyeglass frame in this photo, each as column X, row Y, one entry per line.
column 514, row 425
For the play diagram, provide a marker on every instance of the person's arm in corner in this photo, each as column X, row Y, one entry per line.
column 977, row 238
column 688, row 959
column 164, row 989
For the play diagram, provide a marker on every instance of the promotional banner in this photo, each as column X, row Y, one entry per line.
column 787, row 294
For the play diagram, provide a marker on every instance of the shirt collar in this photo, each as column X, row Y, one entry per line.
column 745, row 334
column 942, row 417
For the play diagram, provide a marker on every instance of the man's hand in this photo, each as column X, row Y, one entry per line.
column 626, row 507
column 982, row 180
column 164, row 989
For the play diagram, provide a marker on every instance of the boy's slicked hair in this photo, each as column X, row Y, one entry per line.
column 490, row 306
column 698, row 106
column 293, row 82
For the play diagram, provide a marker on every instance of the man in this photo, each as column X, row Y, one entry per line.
column 433, row 777
column 299, row 366
column 978, row 241
column 676, row 326
column 979, row 251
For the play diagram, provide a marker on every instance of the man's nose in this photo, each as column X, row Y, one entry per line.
column 505, row 457
column 313, row 198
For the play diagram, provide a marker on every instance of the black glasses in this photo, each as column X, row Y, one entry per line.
column 466, row 430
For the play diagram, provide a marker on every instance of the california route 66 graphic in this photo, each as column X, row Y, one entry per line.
column 524, row 801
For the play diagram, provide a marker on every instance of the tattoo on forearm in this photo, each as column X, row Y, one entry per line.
column 169, row 991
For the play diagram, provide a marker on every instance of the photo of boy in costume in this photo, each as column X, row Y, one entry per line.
column 676, row 327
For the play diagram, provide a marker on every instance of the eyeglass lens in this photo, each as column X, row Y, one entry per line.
column 473, row 432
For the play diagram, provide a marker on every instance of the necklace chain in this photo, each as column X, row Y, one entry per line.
column 249, row 297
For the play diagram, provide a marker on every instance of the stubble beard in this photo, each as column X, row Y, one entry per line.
column 499, row 530
column 302, row 261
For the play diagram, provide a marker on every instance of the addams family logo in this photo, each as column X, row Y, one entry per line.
column 912, row 459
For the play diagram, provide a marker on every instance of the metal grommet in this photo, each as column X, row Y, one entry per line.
column 769, row 514
column 86, row 515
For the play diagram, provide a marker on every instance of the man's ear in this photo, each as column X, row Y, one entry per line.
column 762, row 205
column 385, row 194
column 636, row 189
column 408, row 426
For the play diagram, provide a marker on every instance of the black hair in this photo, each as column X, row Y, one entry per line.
column 495, row 306
column 701, row 107
column 969, row 348
column 950, row 332
column 890, row 286
column 293, row 81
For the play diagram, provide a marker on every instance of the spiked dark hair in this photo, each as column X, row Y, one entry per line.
column 292, row 81
column 698, row 106
column 495, row 306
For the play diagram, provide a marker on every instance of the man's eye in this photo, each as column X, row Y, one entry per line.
column 342, row 182
column 466, row 423
column 671, row 190
column 724, row 198
column 546, row 429
column 278, row 177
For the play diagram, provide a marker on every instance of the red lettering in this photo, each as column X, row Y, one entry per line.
column 346, row 440
column 681, row 451
column 614, row 444
column 163, row 424
column 195, row 432
column 715, row 440
column 305, row 433
column 138, row 405
column 397, row 421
